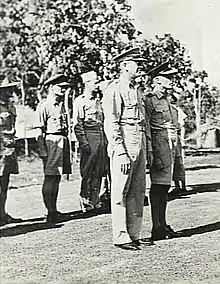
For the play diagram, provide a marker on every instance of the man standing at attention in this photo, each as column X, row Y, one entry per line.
column 8, row 160
column 126, row 131
column 54, row 148
column 162, row 149
column 88, row 127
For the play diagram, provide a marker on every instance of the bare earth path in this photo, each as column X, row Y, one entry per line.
column 79, row 249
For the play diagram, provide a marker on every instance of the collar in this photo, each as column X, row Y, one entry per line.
column 124, row 82
column 159, row 94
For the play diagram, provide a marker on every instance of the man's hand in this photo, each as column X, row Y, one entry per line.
column 42, row 149
column 150, row 158
column 125, row 164
column 86, row 149
column 172, row 131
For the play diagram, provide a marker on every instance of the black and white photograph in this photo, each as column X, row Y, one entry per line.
column 109, row 142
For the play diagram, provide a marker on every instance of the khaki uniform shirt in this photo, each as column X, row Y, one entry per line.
column 124, row 112
column 52, row 117
column 163, row 120
column 88, row 116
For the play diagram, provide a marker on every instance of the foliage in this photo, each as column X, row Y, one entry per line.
column 61, row 36
column 41, row 37
column 167, row 48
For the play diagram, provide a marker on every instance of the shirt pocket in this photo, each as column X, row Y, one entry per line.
column 162, row 112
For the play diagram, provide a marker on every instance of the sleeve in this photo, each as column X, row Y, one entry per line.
column 41, row 117
column 112, row 111
column 149, row 108
column 79, row 124
column 41, row 122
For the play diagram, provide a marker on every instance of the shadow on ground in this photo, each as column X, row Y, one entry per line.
column 27, row 228
column 38, row 224
column 200, row 229
column 196, row 188
column 206, row 187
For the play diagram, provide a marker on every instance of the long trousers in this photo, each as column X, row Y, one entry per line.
column 127, row 199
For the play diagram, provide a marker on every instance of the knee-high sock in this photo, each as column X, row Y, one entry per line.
column 155, row 204
column 163, row 204
column 47, row 191
column 54, row 193
column 4, row 182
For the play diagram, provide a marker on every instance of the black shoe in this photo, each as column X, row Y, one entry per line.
column 183, row 192
column 175, row 192
column 170, row 233
column 146, row 202
column 53, row 217
column 145, row 241
column 158, row 234
column 7, row 219
column 58, row 213
column 129, row 246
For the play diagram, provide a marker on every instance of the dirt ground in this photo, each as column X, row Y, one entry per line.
column 79, row 250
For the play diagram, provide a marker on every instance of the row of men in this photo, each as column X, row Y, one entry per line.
column 118, row 137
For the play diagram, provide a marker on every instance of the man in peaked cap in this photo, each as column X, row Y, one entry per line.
column 54, row 146
column 88, row 127
column 127, row 131
column 161, row 148
column 132, row 54
column 8, row 160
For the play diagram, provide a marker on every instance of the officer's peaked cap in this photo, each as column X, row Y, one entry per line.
column 58, row 79
column 130, row 54
column 164, row 70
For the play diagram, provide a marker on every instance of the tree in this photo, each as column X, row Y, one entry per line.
column 42, row 37
column 167, row 48
column 63, row 36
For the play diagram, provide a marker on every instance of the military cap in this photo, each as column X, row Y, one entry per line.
column 89, row 76
column 58, row 79
column 6, row 88
column 163, row 70
column 132, row 54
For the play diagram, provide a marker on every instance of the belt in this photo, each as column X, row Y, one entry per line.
column 140, row 127
column 93, row 128
column 57, row 133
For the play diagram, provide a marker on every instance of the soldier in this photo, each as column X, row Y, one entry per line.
column 54, row 148
column 126, row 131
column 8, row 160
column 178, row 168
column 162, row 148
column 88, row 127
